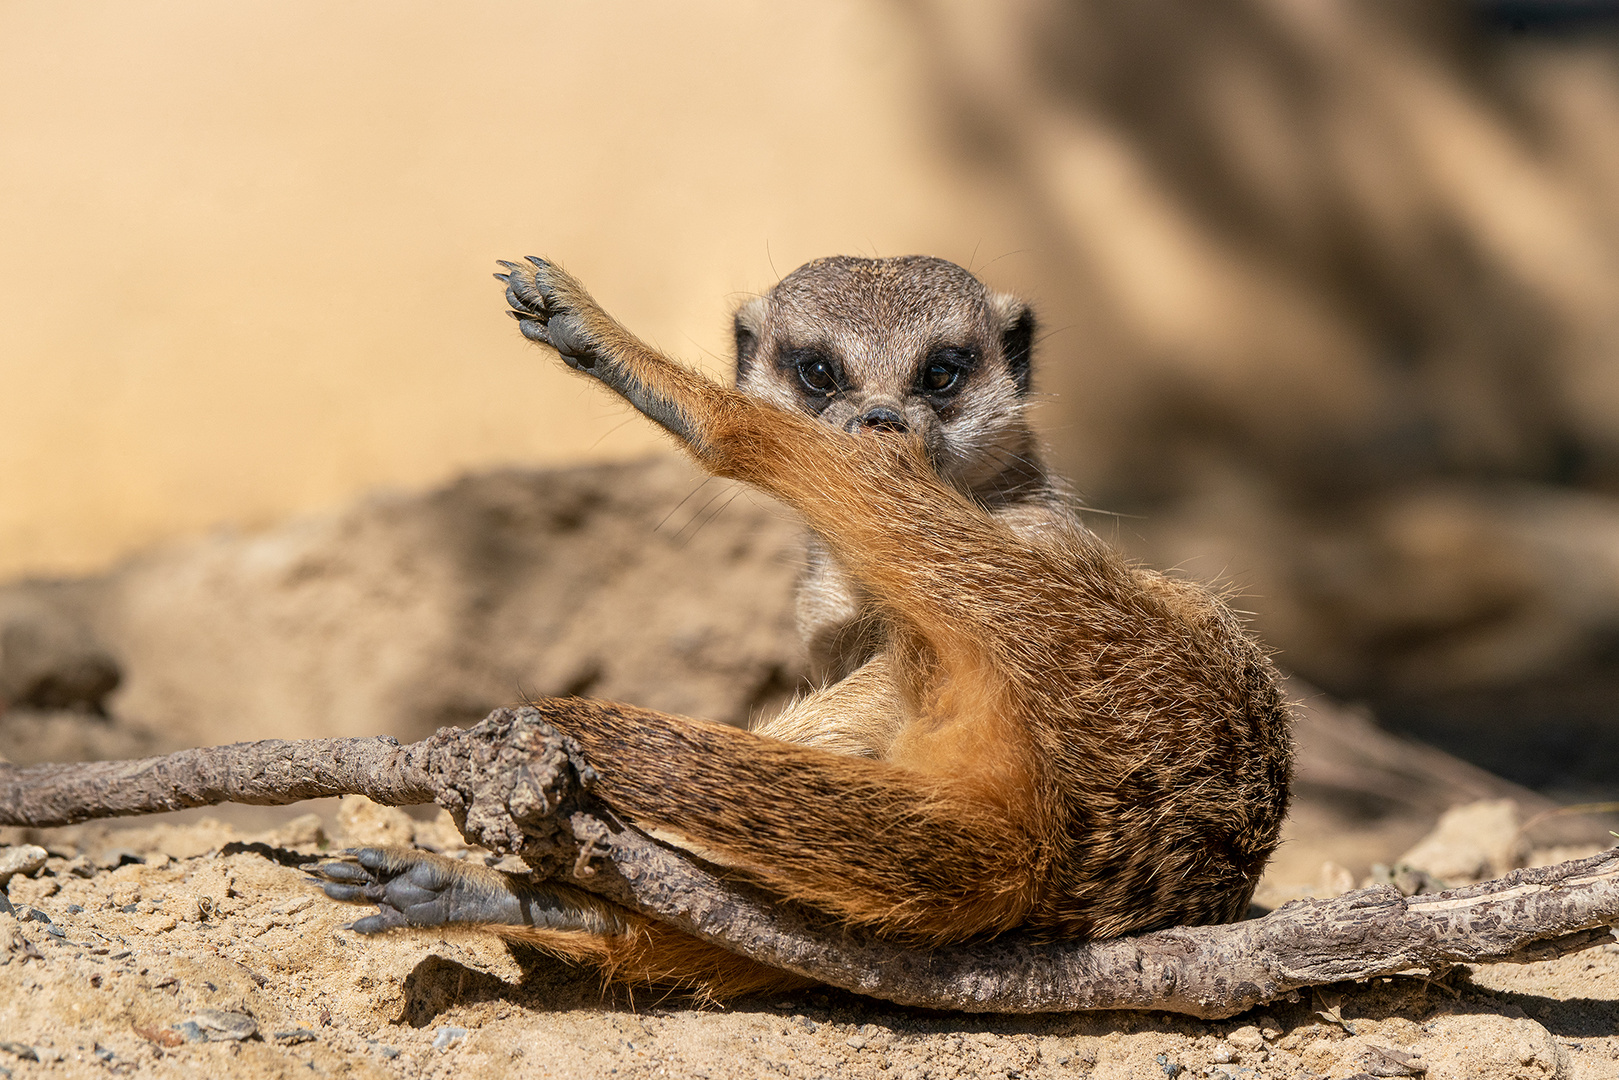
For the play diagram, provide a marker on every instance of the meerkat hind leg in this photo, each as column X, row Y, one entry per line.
column 417, row 889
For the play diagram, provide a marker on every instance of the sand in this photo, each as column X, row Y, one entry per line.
column 127, row 936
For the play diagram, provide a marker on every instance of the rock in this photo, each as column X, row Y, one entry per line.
column 1392, row 1061
column 1488, row 1047
column 21, row 1051
column 1472, row 842
column 22, row 859
column 217, row 1025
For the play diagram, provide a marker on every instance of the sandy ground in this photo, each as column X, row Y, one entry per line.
column 137, row 944
column 564, row 582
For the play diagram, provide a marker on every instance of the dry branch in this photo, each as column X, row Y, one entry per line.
column 515, row 785
column 273, row 772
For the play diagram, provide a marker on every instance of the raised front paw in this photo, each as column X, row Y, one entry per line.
column 551, row 307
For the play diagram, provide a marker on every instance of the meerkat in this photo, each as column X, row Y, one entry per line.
column 1018, row 729
column 967, row 402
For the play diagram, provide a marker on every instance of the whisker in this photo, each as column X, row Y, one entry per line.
column 713, row 516
column 632, row 418
column 698, row 514
column 700, row 485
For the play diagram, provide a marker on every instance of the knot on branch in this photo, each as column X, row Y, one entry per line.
column 511, row 782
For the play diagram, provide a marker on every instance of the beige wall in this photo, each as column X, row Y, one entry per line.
column 245, row 248
column 1281, row 248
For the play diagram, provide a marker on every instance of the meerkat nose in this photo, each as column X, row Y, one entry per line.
column 879, row 418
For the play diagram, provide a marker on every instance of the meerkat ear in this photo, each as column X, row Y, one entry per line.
column 748, row 328
column 1016, row 321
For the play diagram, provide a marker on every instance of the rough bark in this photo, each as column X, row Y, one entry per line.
column 515, row 785
column 272, row 772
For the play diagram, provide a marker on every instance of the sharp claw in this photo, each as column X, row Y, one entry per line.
column 507, row 265
column 537, row 261
column 507, row 278
column 372, row 858
column 521, row 315
column 343, row 893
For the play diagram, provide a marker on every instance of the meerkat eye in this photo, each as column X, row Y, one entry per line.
column 942, row 371
column 817, row 376
column 937, row 378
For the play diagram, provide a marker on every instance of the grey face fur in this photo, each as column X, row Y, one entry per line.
column 911, row 343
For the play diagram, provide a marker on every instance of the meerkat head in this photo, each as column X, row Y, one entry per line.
column 908, row 344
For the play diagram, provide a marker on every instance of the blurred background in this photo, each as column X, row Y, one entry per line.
column 1329, row 288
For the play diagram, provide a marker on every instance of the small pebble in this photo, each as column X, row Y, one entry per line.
column 74, row 909
column 20, row 1050
column 297, row 1035
column 25, row 859
column 217, row 1025
column 447, row 1036
column 856, row 1041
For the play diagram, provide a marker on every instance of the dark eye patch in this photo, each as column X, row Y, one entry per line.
column 945, row 370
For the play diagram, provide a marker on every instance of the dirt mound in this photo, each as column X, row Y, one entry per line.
column 640, row 582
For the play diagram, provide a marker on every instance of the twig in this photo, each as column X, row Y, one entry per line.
column 515, row 785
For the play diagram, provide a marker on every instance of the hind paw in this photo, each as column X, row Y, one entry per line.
column 417, row 888
column 408, row 888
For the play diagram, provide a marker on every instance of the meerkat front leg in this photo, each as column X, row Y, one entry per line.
column 876, row 500
column 553, row 308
